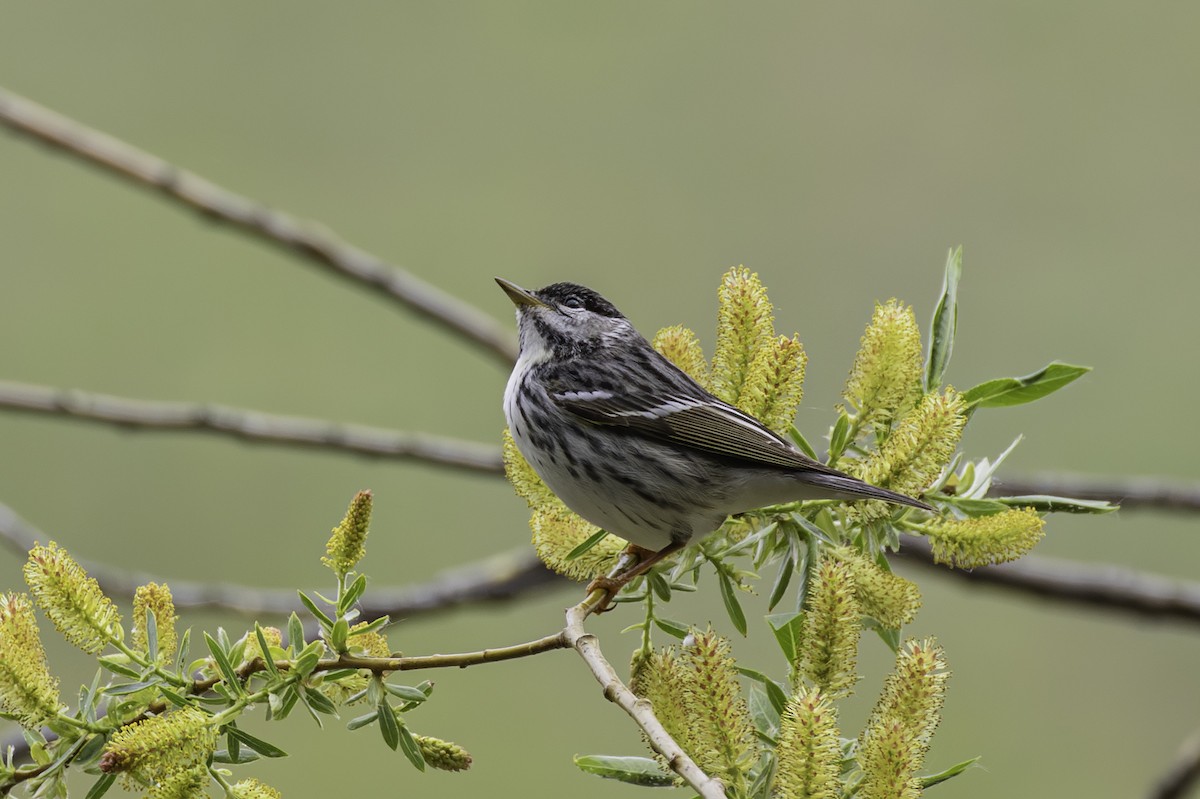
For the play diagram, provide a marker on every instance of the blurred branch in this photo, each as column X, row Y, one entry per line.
column 1129, row 492
column 307, row 239
column 500, row 577
column 1099, row 586
column 248, row 425
column 1183, row 774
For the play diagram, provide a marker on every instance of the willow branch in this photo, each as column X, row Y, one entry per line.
column 638, row 709
column 307, row 239
column 1100, row 586
column 1183, row 773
column 250, row 426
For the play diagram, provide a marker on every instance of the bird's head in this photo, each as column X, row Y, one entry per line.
column 566, row 319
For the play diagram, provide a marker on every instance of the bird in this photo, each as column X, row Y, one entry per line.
column 635, row 445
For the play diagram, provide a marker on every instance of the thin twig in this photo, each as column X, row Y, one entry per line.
column 638, row 709
column 308, row 239
column 1096, row 586
column 249, row 425
column 1183, row 774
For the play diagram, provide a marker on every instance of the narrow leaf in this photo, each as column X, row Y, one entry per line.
column 591, row 541
column 634, row 770
column 353, row 593
column 800, row 441
column 358, row 722
column 130, row 688
column 783, row 578
column 732, row 606
column 1047, row 504
column 953, row 771
column 406, row 692
column 1007, row 391
column 671, row 627
column 389, row 727
column 787, row 628
column 268, row 659
column 101, row 786
column 257, row 744
column 320, row 615
column 295, row 630
column 411, row 750
column 226, row 668
column 839, row 437
column 945, row 321
column 319, row 702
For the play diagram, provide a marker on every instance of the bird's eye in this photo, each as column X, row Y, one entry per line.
column 573, row 302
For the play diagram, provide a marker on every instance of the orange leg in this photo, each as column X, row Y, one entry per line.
column 635, row 561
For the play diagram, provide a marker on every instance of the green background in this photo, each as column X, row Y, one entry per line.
column 641, row 149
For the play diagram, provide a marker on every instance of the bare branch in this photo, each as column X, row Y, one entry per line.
column 1097, row 586
column 1183, row 774
column 1155, row 493
column 251, row 426
column 638, row 709
column 504, row 576
column 307, row 239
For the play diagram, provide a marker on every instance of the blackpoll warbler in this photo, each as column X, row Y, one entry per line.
column 633, row 444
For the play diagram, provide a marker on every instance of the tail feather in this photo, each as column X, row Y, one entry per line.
column 853, row 488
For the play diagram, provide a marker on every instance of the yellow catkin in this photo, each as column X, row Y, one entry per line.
column 885, row 379
column 744, row 325
column 828, row 653
column 72, row 600
column 892, row 747
column 774, row 384
column 157, row 598
column 809, row 753
column 886, row 597
column 723, row 731
column 27, row 690
column 347, row 544
column 680, row 346
column 985, row 540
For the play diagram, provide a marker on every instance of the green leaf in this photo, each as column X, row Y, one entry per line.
column 783, row 578
column 839, row 437
column 308, row 658
column 788, row 627
column 101, row 786
column 1044, row 503
column 227, row 671
column 358, row 722
column 257, row 744
column 353, row 593
column 671, row 627
column 295, row 631
column 268, row 660
column 411, row 749
column 953, row 771
column 130, row 688
column 662, row 589
column 1007, row 391
column 185, row 645
column 234, row 758
column 151, row 636
column 732, row 606
column 371, row 627
column 592, row 540
column 89, row 752
column 975, row 507
column 176, row 699
column 406, row 692
column 776, row 692
column 763, row 712
column 113, row 663
column 338, row 635
column 389, row 726
column 945, row 321
column 634, row 770
column 319, row 614
column 281, row 704
column 800, row 441
column 319, row 702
